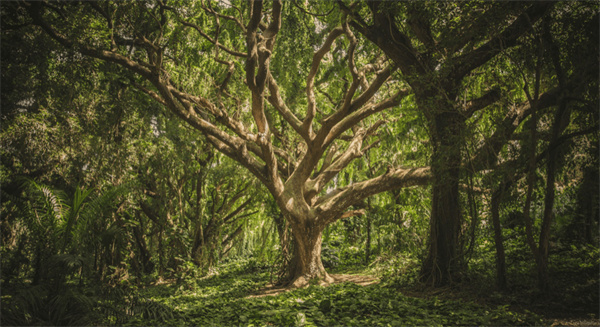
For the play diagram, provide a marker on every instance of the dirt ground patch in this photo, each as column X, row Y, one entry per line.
column 576, row 322
column 362, row 280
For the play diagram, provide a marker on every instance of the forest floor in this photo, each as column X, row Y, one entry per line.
column 239, row 294
column 554, row 314
column 361, row 280
column 558, row 308
column 546, row 307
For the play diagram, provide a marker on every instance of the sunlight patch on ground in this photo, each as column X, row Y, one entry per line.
column 362, row 280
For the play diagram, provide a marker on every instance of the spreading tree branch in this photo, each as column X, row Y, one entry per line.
column 336, row 202
column 508, row 38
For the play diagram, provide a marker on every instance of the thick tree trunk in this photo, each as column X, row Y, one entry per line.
column 306, row 264
column 442, row 260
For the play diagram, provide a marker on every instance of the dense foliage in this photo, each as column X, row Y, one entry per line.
column 162, row 161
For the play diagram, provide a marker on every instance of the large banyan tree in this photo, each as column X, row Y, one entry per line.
column 296, row 91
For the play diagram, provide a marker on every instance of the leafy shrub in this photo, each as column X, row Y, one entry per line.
column 136, row 310
column 329, row 257
column 351, row 256
column 396, row 270
column 38, row 306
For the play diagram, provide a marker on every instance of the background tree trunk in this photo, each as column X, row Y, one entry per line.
column 498, row 239
column 285, row 244
column 368, row 244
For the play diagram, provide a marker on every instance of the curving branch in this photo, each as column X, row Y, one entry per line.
column 260, row 47
column 177, row 101
column 488, row 153
column 295, row 3
column 508, row 38
column 241, row 155
column 150, row 93
column 277, row 102
column 331, row 206
column 355, row 117
column 252, row 141
column 354, row 150
column 480, row 103
column 356, row 78
column 238, row 21
column 213, row 41
column 310, row 79
column 421, row 27
column 380, row 78
column 140, row 68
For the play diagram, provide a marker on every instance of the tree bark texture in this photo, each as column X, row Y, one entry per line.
column 443, row 257
column 306, row 264
column 285, row 243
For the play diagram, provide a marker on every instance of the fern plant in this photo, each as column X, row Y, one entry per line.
column 57, row 235
column 40, row 306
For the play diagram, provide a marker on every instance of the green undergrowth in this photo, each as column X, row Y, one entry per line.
column 223, row 299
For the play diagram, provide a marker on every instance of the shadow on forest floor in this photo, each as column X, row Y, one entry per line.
column 559, row 307
column 545, row 306
column 243, row 293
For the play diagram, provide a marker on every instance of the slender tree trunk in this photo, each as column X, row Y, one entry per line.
column 498, row 239
column 198, row 245
column 561, row 121
column 368, row 246
column 442, row 262
column 145, row 255
column 545, row 230
column 544, row 241
column 531, row 150
column 283, row 231
column 588, row 202
column 306, row 262
column 37, row 265
column 474, row 213
column 160, row 253
column 537, row 250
